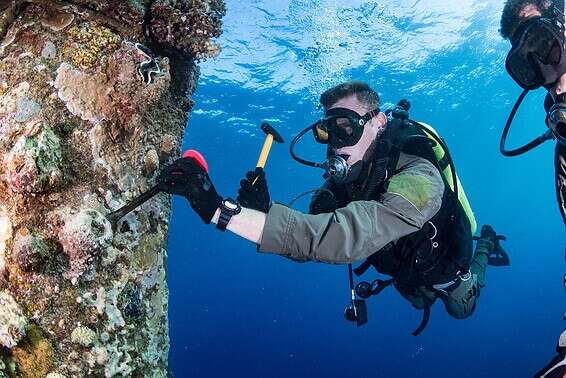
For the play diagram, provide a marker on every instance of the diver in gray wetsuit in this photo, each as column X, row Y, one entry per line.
column 392, row 201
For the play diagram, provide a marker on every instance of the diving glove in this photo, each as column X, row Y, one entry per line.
column 187, row 178
column 253, row 192
column 497, row 255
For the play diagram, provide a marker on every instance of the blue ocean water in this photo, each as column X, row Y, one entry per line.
column 237, row 313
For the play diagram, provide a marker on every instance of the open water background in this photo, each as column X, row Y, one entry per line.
column 236, row 313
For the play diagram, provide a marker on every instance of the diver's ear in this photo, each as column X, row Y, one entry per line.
column 381, row 119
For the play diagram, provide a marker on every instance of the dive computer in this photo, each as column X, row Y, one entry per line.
column 228, row 208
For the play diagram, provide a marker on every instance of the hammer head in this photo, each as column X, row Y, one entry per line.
column 268, row 129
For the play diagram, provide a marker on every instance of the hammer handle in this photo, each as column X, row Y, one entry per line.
column 265, row 151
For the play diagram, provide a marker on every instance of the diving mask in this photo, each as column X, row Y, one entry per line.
column 341, row 127
column 537, row 57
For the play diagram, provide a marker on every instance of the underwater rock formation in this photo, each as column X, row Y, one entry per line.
column 94, row 99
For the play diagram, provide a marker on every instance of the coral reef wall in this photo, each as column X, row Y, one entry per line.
column 94, row 98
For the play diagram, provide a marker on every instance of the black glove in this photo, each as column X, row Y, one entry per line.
column 323, row 201
column 187, row 178
column 254, row 196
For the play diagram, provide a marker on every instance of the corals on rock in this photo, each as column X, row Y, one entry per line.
column 55, row 375
column 83, row 236
column 29, row 249
column 5, row 235
column 186, row 27
column 89, row 43
column 20, row 112
column 150, row 162
column 85, row 95
column 70, row 80
column 83, row 336
column 57, row 21
column 115, row 95
column 34, row 354
column 49, row 50
column 33, row 164
column 168, row 147
column 12, row 321
column 128, row 12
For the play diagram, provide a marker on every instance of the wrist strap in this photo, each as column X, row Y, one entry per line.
column 223, row 220
column 227, row 212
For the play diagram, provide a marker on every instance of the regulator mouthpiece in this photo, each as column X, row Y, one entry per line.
column 336, row 169
column 557, row 121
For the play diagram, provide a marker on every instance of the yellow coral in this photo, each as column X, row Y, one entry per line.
column 33, row 355
column 89, row 43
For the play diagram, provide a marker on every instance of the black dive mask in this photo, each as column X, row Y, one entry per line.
column 537, row 57
column 341, row 127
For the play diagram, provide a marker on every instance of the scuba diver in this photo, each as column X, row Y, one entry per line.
column 536, row 30
column 391, row 200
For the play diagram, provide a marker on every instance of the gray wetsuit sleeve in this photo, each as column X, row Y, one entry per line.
column 361, row 228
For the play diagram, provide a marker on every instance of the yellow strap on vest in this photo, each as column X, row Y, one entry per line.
column 447, row 173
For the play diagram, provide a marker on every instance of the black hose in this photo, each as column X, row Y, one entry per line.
column 292, row 150
column 525, row 148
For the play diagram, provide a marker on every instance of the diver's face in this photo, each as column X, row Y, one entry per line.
column 372, row 129
column 559, row 87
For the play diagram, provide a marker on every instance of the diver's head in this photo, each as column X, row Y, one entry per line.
column 537, row 34
column 537, row 31
column 352, row 120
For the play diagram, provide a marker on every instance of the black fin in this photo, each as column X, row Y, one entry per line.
column 498, row 257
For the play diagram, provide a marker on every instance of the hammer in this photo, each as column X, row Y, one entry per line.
column 116, row 215
column 270, row 135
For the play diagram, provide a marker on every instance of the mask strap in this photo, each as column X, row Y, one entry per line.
column 369, row 115
column 527, row 147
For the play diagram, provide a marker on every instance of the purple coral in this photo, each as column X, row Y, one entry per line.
column 83, row 236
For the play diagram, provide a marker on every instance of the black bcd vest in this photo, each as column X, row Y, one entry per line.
column 442, row 249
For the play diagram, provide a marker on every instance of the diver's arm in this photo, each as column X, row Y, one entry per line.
column 248, row 224
column 350, row 233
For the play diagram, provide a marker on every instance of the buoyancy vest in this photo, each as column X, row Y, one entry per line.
column 442, row 248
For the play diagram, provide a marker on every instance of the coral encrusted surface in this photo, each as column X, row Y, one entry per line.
column 94, row 99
